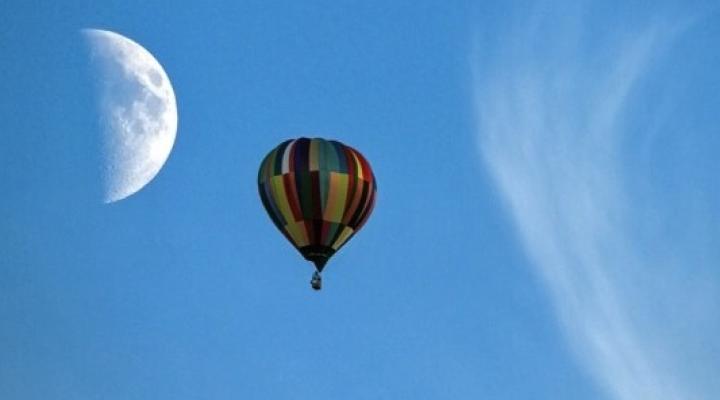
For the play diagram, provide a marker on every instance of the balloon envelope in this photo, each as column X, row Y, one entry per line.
column 318, row 193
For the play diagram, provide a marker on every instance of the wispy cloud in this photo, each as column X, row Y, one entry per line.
column 551, row 101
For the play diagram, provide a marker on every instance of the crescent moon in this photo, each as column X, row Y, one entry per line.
column 139, row 113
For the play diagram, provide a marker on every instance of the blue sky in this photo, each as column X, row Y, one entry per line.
column 547, row 223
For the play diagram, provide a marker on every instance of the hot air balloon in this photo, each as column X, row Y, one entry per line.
column 318, row 193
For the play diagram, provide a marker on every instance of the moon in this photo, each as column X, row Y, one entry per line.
column 138, row 113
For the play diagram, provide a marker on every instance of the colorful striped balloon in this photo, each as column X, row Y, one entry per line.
column 318, row 192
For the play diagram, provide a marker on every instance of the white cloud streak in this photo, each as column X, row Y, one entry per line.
column 551, row 121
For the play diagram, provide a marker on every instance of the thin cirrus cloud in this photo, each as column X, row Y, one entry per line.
column 551, row 100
